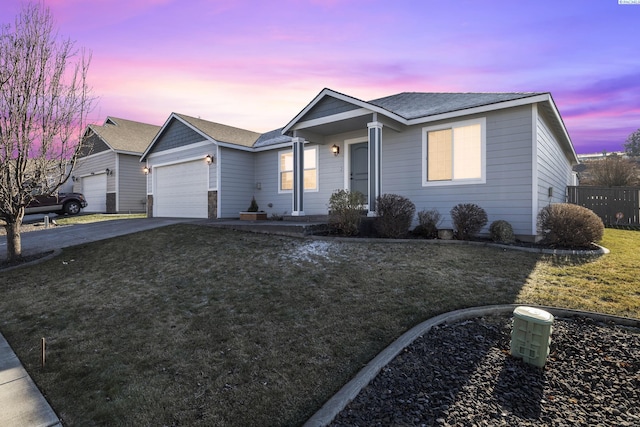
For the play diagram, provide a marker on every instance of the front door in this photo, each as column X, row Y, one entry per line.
column 359, row 159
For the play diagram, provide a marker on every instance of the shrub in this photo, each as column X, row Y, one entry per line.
column 253, row 207
column 502, row 232
column 569, row 225
column 345, row 211
column 395, row 215
column 428, row 222
column 468, row 219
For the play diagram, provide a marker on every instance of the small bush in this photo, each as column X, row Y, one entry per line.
column 395, row 215
column 502, row 232
column 569, row 225
column 428, row 222
column 253, row 207
column 468, row 219
column 345, row 211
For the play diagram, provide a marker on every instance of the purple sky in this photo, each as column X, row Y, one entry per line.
column 255, row 64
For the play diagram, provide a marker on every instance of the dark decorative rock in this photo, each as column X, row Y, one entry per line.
column 463, row 374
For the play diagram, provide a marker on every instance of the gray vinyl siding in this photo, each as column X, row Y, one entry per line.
column 93, row 165
column 237, row 182
column 131, row 195
column 266, row 173
column 213, row 174
column 330, row 178
column 554, row 169
column 176, row 135
column 93, row 144
column 328, row 106
column 183, row 155
column 508, row 188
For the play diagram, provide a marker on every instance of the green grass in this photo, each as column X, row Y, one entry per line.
column 608, row 285
column 87, row 218
column 190, row 325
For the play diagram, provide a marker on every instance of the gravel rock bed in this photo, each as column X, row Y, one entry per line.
column 462, row 374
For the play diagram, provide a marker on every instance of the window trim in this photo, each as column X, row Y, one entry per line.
column 482, row 121
column 317, row 161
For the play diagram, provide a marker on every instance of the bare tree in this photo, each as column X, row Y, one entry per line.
column 44, row 102
column 632, row 145
column 612, row 171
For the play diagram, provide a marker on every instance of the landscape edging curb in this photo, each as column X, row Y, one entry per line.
column 325, row 415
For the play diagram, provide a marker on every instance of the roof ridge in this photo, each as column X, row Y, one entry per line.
column 186, row 117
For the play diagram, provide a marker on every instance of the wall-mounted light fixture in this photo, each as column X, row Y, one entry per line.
column 73, row 178
column 108, row 171
column 209, row 159
column 335, row 149
column 146, row 170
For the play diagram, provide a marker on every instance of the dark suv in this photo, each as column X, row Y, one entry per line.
column 62, row 203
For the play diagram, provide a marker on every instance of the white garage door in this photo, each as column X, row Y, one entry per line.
column 94, row 189
column 181, row 190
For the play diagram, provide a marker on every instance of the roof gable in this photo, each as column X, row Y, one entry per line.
column 175, row 134
column 123, row 135
column 330, row 103
column 328, row 106
column 193, row 130
column 221, row 133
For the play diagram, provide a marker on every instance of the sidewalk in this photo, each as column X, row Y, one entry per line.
column 20, row 399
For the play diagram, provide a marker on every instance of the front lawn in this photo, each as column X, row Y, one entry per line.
column 191, row 325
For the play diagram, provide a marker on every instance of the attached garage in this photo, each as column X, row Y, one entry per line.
column 94, row 188
column 181, row 190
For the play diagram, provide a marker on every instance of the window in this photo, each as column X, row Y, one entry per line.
column 310, row 170
column 454, row 154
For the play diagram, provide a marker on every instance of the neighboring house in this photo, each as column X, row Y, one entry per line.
column 510, row 153
column 108, row 170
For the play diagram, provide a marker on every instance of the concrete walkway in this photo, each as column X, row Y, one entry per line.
column 21, row 402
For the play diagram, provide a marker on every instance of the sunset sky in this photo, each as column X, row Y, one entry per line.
column 256, row 64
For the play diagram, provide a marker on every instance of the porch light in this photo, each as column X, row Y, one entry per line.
column 209, row 159
column 335, row 149
column 146, row 170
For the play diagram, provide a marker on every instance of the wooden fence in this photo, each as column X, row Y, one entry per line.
column 615, row 205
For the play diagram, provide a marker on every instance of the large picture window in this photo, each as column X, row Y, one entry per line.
column 310, row 170
column 454, row 153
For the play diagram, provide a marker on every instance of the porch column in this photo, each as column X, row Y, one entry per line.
column 375, row 149
column 298, row 176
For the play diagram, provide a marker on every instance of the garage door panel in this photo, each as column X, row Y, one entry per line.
column 181, row 190
column 94, row 189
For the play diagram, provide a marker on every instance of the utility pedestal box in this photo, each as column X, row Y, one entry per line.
column 531, row 335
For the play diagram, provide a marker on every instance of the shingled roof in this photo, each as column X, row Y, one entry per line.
column 271, row 138
column 222, row 133
column 414, row 105
column 126, row 135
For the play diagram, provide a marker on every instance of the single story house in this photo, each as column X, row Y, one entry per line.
column 510, row 153
column 108, row 169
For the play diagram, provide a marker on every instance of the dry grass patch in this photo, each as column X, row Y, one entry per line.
column 608, row 284
column 189, row 325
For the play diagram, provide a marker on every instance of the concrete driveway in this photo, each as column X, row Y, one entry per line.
column 70, row 235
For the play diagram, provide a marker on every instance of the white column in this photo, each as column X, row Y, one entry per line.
column 298, row 177
column 375, row 164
